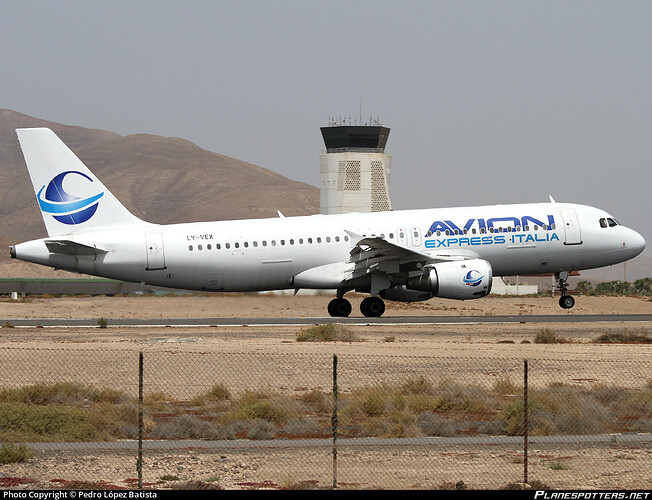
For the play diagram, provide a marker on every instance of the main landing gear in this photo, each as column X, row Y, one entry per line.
column 566, row 301
column 371, row 307
column 339, row 307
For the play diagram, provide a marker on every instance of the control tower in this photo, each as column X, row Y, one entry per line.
column 354, row 170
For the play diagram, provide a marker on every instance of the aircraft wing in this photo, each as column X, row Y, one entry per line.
column 377, row 254
column 377, row 257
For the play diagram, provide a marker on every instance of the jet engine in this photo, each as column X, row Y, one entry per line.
column 459, row 279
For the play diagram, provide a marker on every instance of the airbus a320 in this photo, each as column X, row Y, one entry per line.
column 407, row 256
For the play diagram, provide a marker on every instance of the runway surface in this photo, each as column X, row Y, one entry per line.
column 388, row 320
column 248, row 444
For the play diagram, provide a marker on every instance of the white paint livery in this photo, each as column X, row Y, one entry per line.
column 409, row 255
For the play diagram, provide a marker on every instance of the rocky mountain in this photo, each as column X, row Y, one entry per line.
column 160, row 179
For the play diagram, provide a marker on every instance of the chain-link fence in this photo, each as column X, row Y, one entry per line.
column 72, row 418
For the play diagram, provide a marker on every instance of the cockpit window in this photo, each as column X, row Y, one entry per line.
column 608, row 222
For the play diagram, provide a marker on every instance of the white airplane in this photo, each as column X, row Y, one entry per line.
column 408, row 255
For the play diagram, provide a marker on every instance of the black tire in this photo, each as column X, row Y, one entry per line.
column 566, row 302
column 372, row 307
column 339, row 308
column 343, row 308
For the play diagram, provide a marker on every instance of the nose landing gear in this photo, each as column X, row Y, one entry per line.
column 566, row 301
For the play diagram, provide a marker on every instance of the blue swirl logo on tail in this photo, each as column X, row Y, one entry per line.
column 472, row 280
column 63, row 206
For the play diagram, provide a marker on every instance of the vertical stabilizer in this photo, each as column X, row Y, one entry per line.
column 69, row 195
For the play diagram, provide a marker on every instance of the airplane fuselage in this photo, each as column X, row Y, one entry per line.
column 266, row 254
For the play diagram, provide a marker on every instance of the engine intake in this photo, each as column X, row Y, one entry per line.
column 460, row 279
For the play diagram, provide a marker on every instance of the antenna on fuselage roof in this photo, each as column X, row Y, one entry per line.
column 281, row 216
column 552, row 200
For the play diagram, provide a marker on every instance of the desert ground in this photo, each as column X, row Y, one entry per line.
column 424, row 340
column 626, row 467
column 270, row 305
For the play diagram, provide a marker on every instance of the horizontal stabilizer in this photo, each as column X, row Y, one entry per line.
column 67, row 247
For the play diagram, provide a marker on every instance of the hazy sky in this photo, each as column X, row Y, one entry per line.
column 488, row 101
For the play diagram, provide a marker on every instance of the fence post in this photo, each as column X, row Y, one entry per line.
column 139, row 462
column 525, row 421
column 334, row 421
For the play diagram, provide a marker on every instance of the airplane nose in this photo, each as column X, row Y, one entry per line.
column 637, row 243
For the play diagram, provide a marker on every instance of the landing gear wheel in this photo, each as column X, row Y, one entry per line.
column 566, row 301
column 340, row 308
column 372, row 307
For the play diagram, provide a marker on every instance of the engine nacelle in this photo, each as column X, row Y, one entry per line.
column 459, row 279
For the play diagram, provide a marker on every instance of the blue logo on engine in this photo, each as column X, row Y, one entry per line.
column 470, row 280
column 65, row 207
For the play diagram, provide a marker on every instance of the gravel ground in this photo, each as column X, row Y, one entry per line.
column 610, row 465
